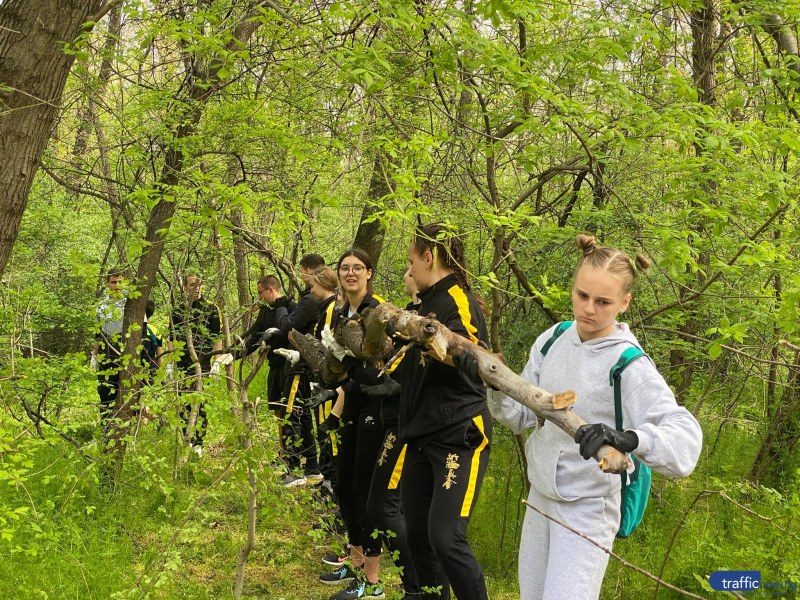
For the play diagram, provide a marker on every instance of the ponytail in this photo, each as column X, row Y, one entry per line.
column 447, row 249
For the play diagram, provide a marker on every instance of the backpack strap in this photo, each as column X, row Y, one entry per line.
column 152, row 333
column 561, row 328
column 615, row 378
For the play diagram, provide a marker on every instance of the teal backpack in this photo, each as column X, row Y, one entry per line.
column 636, row 486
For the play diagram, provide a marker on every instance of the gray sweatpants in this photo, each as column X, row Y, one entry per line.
column 556, row 564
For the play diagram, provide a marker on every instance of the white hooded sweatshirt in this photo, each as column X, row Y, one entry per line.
column 670, row 439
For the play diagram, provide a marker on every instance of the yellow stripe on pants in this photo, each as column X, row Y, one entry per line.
column 292, row 394
column 473, row 471
column 325, row 410
column 398, row 469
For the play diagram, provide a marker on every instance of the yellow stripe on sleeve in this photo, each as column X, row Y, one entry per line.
column 473, row 470
column 329, row 313
column 292, row 394
column 463, row 311
column 398, row 469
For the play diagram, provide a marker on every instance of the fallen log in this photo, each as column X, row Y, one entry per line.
column 443, row 344
column 372, row 346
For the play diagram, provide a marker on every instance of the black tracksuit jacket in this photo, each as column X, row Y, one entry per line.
column 436, row 396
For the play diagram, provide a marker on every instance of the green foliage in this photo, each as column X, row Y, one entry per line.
column 521, row 124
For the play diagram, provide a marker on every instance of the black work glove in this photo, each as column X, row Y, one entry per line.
column 385, row 389
column 269, row 335
column 328, row 426
column 467, row 363
column 591, row 437
column 321, row 396
column 281, row 302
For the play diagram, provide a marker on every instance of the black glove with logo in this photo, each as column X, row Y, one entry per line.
column 591, row 437
column 385, row 389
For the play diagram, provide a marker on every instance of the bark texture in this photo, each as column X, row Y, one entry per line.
column 33, row 71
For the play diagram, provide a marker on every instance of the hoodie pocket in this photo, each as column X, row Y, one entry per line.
column 543, row 460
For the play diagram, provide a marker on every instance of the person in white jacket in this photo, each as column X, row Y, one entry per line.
column 554, row 563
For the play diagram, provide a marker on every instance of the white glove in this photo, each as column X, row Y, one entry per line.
column 331, row 344
column 225, row 359
column 93, row 363
column 291, row 356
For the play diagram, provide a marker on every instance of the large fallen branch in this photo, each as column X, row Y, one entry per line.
column 327, row 369
column 366, row 339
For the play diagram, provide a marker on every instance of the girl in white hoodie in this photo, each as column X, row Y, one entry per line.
column 554, row 563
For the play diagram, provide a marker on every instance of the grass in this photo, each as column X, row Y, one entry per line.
column 173, row 530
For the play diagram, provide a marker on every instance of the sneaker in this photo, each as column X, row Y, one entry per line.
column 290, row 481
column 336, row 560
column 374, row 591
column 315, row 478
column 360, row 589
column 341, row 575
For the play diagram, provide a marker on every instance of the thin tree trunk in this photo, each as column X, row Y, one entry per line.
column 248, row 416
column 704, row 38
column 201, row 83
column 371, row 232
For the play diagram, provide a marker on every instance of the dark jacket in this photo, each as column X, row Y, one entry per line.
column 358, row 372
column 435, row 396
column 303, row 317
column 390, row 406
column 327, row 309
column 205, row 323
column 268, row 318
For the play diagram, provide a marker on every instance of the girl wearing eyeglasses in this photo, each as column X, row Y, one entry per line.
column 360, row 439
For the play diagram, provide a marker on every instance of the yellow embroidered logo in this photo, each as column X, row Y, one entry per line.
column 388, row 444
column 451, row 464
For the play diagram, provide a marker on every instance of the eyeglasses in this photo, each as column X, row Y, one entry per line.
column 355, row 269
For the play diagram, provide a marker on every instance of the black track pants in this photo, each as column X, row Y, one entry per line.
column 297, row 429
column 385, row 506
column 359, row 445
column 441, row 482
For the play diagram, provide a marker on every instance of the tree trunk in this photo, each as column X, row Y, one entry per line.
column 783, row 434
column 704, row 24
column 371, row 232
column 201, row 83
column 359, row 336
column 33, row 71
column 247, row 411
